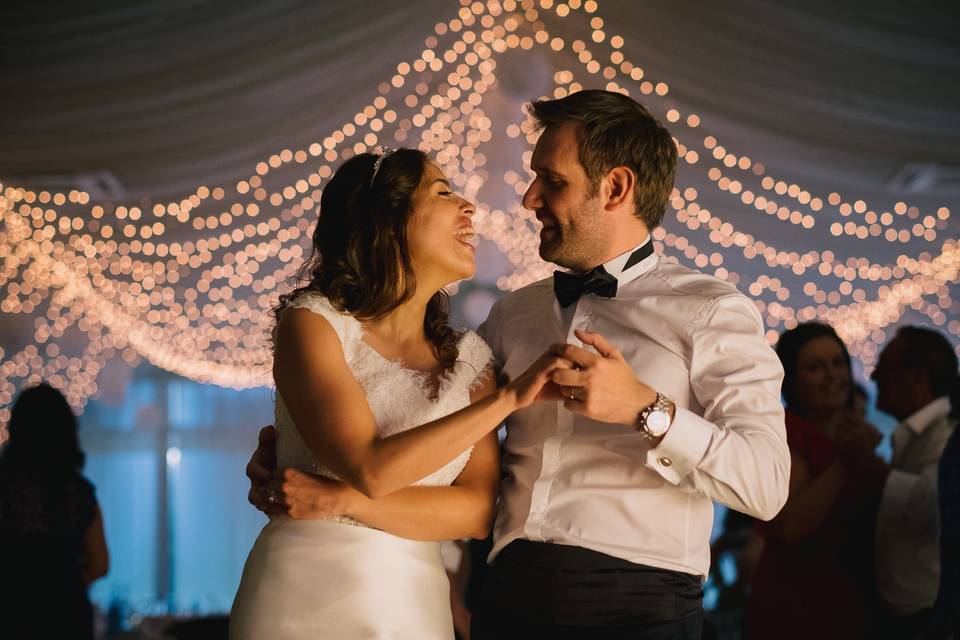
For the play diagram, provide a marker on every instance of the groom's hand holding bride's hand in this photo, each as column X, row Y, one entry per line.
column 535, row 384
column 602, row 387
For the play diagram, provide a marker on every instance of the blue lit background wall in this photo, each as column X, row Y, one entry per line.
column 177, row 547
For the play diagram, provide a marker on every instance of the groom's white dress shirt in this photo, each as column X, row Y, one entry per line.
column 576, row 481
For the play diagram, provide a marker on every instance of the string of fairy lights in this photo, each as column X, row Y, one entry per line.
column 188, row 284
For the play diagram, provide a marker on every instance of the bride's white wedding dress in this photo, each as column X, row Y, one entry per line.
column 337, row 578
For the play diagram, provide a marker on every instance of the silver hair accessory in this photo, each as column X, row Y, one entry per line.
column 384, row 152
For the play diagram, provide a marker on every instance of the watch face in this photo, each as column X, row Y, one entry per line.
column 658, row 422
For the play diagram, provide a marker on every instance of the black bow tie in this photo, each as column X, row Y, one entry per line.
column 568, row 287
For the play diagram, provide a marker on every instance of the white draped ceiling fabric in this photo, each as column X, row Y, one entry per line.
column 161, row 163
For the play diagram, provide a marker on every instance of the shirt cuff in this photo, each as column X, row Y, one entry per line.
column 682, row 449
column 896, row 493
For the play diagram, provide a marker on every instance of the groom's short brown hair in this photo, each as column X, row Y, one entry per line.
column 617, row 131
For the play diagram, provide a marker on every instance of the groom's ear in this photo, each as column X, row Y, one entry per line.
column 617, row 189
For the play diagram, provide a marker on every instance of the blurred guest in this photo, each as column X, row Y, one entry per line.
column 915, row 375
column 815, row 564
column 947, row 608
column 945, row 624
column 51, row 533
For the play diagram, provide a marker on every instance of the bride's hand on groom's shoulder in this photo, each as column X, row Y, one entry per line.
column 305, row 496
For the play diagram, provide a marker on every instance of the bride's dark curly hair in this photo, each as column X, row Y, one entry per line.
column 361, row 260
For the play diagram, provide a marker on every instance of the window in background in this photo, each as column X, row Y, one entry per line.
column 167, row 456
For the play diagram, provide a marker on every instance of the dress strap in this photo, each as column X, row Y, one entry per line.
column 347, row 327
column 474, row 360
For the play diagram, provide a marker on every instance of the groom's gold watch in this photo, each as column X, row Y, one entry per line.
column 654, row 421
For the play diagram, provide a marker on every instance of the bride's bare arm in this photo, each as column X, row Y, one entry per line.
column 464, row 510
column 331, row 412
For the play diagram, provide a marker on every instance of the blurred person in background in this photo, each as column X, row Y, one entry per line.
column 813, row 578
column 915, row 375
column 51, row 531
column 946, row 622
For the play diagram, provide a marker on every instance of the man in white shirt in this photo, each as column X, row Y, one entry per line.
column 914, row 376
column 606, row 503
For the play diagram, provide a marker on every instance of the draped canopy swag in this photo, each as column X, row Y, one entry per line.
column 162, row 162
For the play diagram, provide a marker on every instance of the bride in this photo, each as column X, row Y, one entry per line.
column 377, row 393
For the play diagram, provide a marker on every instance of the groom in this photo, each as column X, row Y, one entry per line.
column 606, row 502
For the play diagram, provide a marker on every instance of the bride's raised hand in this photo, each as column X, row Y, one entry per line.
column 534, row 384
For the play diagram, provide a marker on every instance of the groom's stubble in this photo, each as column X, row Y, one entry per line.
column 579, row 240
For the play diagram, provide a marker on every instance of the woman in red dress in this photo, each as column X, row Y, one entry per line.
column 814, row 577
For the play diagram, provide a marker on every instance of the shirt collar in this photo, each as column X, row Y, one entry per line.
column 919, row 421
column 615, row 268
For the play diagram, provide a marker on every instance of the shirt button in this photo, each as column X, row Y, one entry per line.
column 665, row 461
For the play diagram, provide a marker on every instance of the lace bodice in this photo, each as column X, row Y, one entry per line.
column 399, row 398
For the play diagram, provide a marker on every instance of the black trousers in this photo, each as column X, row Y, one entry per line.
column 542, row 590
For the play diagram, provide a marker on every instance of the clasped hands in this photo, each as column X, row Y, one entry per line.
column 600, row 386
column 856, row 439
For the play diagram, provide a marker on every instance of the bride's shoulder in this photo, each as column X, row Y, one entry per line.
column 474, row 350
column 346, row 326
column 312, row 301
column 474, row 360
